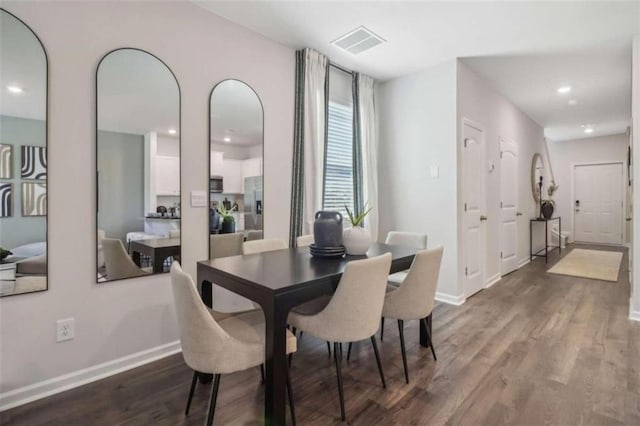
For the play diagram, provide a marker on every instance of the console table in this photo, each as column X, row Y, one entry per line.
column 546, row 238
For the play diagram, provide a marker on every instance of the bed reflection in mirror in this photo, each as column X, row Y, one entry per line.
column 23, row 159
column 138, row 166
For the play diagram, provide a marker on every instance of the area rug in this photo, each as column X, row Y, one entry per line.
column 594, row 264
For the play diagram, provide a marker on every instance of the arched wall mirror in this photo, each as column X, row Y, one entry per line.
column 537, row 172
column 23, row 158
column 236, row 151
column 138, row 165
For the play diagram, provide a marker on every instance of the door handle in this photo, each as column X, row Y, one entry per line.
column 519, row 214
column 628, row 219
column 483, row 218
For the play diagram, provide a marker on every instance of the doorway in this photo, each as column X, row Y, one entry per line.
column 597, row 203
column 473, row 183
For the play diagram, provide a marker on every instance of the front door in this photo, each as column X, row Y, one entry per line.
column 473, row 195
column 597, row 203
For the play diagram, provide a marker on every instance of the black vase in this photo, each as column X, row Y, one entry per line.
column 228, row 227
column 327, row 229
column 547, row 209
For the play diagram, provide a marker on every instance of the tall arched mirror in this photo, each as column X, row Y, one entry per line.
column 138, row 165
column 236, row 203
column 23, row 158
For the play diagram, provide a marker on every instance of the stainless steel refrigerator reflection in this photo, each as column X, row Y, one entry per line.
column 253, row 202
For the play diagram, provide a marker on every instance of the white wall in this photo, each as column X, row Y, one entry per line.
column 117, row 319
column 417, row 119
column 634, row 309
column 499, row 118
column 583, row 151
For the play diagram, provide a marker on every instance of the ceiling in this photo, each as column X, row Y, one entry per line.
column 524, row 49
column 236, row 113
column 22, row 64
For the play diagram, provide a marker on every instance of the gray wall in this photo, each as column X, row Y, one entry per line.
column 121, row 183
column 18, row 230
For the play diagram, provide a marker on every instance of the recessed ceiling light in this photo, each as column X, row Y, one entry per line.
column 15, row 89
column 172, row 131
column 227, row 139
column 588, row 130
column 573, row 102
column 564, row 89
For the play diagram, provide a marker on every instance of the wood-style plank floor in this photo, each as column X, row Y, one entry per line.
column 534, row 349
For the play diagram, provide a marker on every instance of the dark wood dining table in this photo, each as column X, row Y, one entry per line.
column 278, row 281
column 158, row 249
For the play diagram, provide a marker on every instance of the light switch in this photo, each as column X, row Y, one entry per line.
column 199, row 198
column 435, row 171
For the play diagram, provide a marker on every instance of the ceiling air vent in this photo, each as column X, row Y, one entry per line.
column 358, row 40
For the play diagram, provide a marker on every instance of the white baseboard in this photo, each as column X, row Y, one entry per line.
column 634, row 315
column 449, row 299
column 77, row 378
column 492, row 280
column 523, row 262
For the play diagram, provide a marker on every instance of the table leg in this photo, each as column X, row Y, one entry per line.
column 424, row 338
column 546, row 241
column 559, row 235
column 135, row 256
column 530, row 241
column 276, row 364
column 158, row 263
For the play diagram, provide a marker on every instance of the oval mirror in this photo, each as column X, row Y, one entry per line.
column 537, row 173
column 23, row 159
column 138, row 165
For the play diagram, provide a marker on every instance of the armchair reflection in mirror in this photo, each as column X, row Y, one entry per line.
column 23, row 159
column 138, row 165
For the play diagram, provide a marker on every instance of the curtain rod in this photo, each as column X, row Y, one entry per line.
column 341, row 68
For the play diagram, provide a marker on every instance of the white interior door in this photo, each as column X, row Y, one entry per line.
column 473, row 195
column 598, row 203
column 508, row 206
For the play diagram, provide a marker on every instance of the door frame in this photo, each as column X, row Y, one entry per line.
column 622, row 197
column 508, row 140
column 483, row 255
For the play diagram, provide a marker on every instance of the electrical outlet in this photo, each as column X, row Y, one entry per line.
column 65, row 329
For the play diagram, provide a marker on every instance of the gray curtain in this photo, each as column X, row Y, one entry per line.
column 358, row 190
column 297, row 180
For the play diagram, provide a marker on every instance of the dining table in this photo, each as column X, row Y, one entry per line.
column 278, row 281
column 158, row 249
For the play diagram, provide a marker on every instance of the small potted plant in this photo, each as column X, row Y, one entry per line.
column 228, row 221
column 357, row 239
column 4, row 253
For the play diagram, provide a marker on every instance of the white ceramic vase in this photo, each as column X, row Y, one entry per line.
column 356, row 240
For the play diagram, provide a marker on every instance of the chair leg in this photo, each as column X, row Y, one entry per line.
column 338, row 360
column 349, row 351
column 301, row 333
column 329, row 348
column 294, row 330
column 214, row 397
column 262, row 374
column 426, row 327
column 381, row 329
column 193, row 387
column 290, row 358
column 375, row 349
column 402, row 348
column 292, row 407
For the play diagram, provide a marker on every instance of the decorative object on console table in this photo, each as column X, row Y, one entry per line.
column 228, row 221
column 540, row 197
column 357, row 239
column 546, row 208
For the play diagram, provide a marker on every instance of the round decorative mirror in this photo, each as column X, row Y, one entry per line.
column 537, row 171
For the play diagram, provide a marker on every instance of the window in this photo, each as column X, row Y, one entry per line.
column 338, row 184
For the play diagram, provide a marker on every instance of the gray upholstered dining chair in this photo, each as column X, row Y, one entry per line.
column 209, row 346
column 415, row 298
column 406, row 239
column 261, row 246
column 225, row 245
column 117, row 262
column 304, row 240
column 353, row 313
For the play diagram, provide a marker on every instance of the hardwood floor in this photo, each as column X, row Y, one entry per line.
column 534, row 349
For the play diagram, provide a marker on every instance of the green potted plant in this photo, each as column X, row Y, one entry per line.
column 4, row 253
column 228, row 221
column 357, row 239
